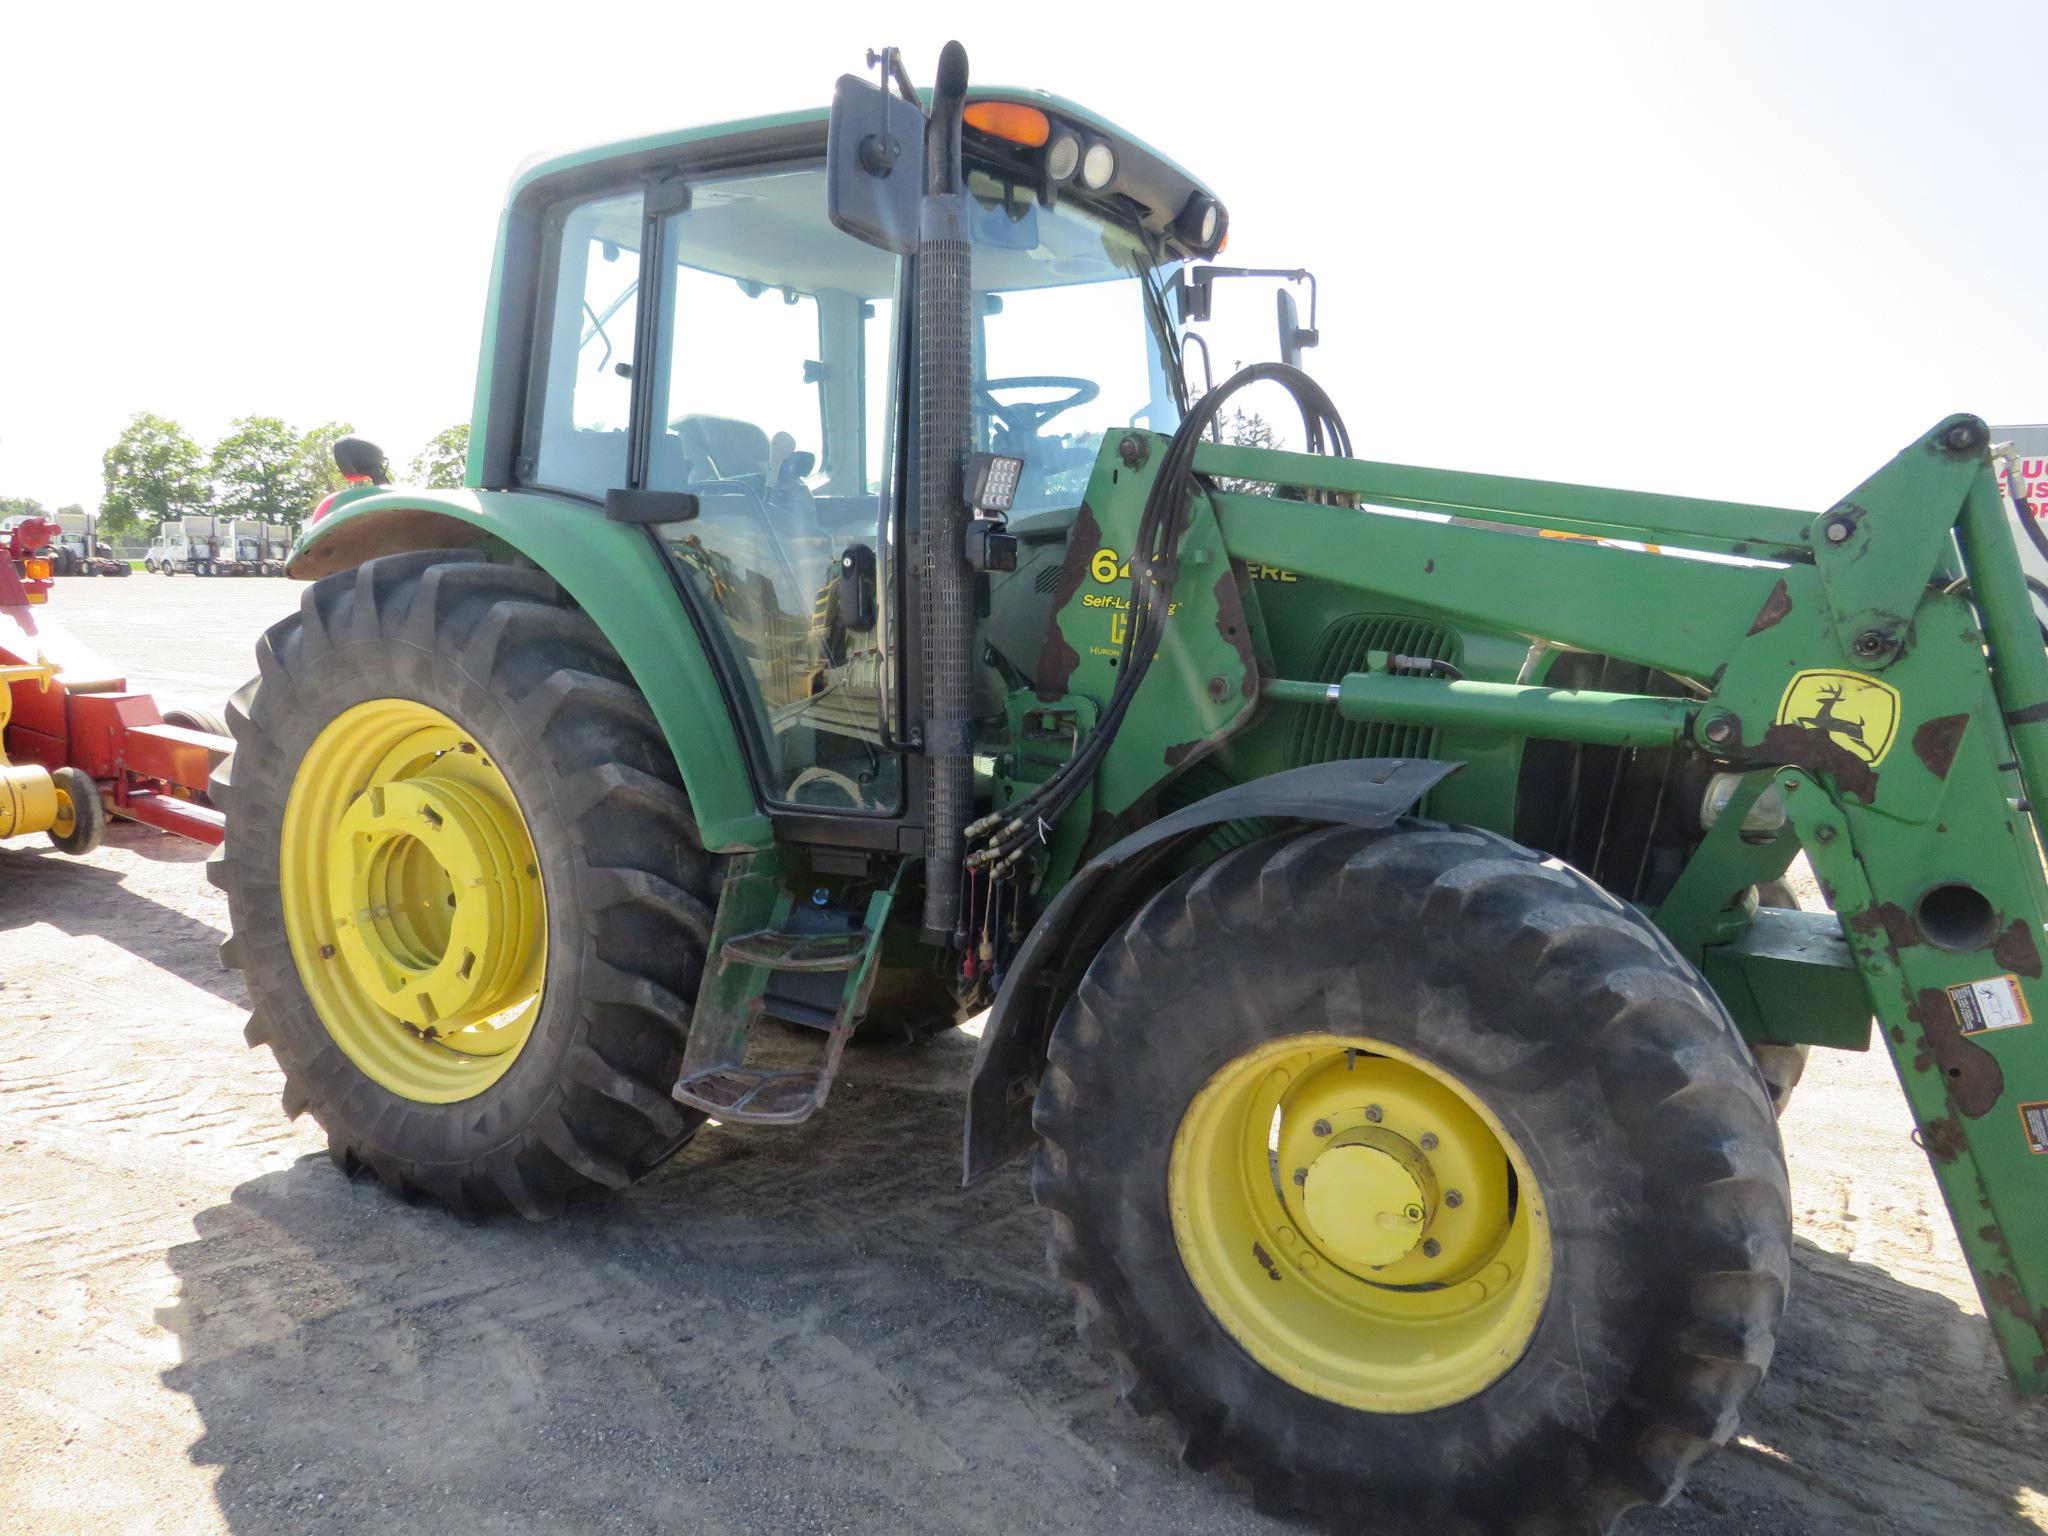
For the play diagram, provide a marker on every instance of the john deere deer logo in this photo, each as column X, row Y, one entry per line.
column 1859, row 713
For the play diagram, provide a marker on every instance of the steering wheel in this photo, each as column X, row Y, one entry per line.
column 1022, row 419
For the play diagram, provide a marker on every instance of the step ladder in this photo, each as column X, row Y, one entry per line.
column 807, row 963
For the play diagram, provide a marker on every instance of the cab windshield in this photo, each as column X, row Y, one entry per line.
column 1070, row 339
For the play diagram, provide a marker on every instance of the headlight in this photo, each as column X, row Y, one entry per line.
column 1063, row 157
column 1766, row 816
column 1098, row 166
column 1200, row 223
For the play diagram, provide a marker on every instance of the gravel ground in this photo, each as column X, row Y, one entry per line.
column 205, row 1328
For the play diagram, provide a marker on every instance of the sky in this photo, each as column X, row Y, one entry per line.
column 1744, row 250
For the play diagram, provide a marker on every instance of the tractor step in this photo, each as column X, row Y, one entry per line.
column 808, row 963
column 773, row 949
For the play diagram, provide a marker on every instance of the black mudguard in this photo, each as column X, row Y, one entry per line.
column 1358, row 792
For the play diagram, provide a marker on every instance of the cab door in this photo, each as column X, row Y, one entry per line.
column 719, row 340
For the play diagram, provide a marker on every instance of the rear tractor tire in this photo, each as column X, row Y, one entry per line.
column 467, row 892
column 1420, row 1180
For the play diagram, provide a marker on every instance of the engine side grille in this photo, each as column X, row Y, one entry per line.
column 1322, row 735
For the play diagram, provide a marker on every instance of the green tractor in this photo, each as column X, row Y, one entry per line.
column 852, row 621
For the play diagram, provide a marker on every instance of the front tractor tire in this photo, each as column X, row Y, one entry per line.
column 467, row 892
column 1420, row 1180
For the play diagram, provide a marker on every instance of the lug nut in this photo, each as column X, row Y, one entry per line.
column 1372, row 1113
column 1431, row 1248
column 1429, row 1141
column 1321, row 1128
column 1300, row 1176
column 1453, row 1198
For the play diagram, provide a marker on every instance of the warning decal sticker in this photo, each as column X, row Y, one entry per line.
column 1995, row 1003
column 2035, row 1118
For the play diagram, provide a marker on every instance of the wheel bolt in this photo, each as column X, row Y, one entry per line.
column 1429, row 1141
column 1431, row 1248
column 1453, row 1199
column 1322, row 1127
column 1372, row 1113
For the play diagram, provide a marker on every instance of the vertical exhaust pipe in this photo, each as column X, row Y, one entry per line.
column 945, row 364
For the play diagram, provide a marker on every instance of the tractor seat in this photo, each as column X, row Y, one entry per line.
column 724, row 448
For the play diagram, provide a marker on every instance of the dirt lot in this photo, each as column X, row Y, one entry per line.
column 205, row 1328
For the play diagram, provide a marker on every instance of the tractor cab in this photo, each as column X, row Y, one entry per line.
column 702, row 330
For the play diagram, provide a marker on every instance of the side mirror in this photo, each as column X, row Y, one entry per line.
column 1294, row 336
column 874, row 165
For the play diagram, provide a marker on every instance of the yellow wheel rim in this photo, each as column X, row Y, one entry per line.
column 413, row 901
column 1360, row 1222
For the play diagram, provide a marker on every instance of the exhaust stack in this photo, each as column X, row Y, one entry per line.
column 944, row 383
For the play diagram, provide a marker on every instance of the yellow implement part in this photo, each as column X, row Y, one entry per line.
column 29, row 798
column 413, row 900
column 1360, row 1222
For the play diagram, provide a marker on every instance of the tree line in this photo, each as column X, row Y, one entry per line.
column 262, row 468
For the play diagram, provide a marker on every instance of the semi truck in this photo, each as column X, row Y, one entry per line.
column 78, row 549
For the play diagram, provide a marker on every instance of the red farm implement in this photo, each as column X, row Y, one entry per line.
column 76, row 743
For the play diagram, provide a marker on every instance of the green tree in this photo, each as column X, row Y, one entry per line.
column 316, row 459
column 258, row 471
column 443, row 462
column 153, row 471
column 20, row 506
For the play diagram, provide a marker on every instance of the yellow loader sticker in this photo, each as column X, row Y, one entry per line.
column 1859, row 713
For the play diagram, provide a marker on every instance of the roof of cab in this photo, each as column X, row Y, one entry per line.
column 553, row 163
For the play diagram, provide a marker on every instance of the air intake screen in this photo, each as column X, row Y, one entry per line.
column 1322, row 735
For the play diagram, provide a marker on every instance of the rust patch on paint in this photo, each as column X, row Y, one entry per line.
column 1056, row 657
column 1943, row 1139
column 1935, row 742
column 1972, row 1075
column 1775, row 607
column 2017, row 951
column 1236, row 630
column 1817, row 752
column 1893, row 921
column 1234, row 627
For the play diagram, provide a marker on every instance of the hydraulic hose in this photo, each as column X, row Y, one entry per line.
column 1005, row 836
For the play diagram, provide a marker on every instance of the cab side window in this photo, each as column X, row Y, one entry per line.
column 581, row 405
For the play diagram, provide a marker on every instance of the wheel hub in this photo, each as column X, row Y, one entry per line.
column 1365, row 1204
column 431, row 906
column 1360, row 1221
column 413, row 900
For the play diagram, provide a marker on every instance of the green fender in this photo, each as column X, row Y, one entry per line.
column 615, row 575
